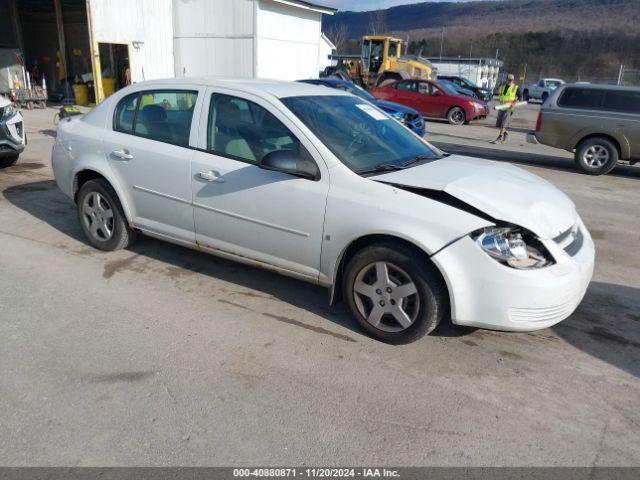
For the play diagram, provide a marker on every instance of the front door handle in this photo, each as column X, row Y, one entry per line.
column 122, row 155
column 211, row 176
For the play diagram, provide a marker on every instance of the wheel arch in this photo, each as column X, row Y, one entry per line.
column 356, row 245
column 465, row 109
column 621, row 144
column 86, row 174
column 390, row 76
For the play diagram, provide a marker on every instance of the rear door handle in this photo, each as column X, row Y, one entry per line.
column 122, row 155
column 211, row 176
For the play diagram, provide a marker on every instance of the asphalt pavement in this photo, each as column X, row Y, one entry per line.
column 160, row 355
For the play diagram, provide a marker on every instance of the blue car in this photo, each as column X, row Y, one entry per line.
column 408, row 116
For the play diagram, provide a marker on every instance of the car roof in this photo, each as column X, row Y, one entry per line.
column 595, row 86
column 275, row 88
column 331, row 81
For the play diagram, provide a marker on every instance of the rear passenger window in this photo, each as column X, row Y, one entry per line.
column 125, row 113
column 407, row 86
column 244, row 130
column 581, row 98
column 159, row 115
column 621, row 101
column 165, row 116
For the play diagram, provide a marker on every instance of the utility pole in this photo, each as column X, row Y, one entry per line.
column 441, row 43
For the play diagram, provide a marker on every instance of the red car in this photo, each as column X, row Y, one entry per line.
column 433, row 99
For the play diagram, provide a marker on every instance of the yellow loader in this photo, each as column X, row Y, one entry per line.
column 380, row 62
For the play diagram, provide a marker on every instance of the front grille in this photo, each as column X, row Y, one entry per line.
column 571, row 240
column 560, row 238
column 574, row 247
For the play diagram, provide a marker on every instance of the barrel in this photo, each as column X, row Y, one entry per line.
column 81, row 92
column 108, row 86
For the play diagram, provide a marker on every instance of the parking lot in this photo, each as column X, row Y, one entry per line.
column 160, row 355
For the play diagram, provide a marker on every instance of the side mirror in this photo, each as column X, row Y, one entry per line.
column 438, row 93
column 290, row 162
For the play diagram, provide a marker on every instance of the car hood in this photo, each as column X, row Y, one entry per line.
column 386, row 105
column 500, row 190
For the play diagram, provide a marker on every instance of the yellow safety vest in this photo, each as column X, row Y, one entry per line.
column 508, row 94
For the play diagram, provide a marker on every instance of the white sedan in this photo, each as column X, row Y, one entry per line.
column 321, row 185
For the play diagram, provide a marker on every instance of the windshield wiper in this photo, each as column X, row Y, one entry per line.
column 383, row 167
column 389, row 167
column 415, row 160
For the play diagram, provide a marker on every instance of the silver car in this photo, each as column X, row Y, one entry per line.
column 321, row 185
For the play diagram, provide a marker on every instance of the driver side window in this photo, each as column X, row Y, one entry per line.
column 425, row 88
column 244, row 130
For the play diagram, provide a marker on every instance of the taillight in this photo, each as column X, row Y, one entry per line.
column 539, row 122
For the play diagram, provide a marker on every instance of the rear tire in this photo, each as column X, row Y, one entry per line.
column 525, row 95
column 596, row 156
column 457, row 116
column 545, row 95
column 8, row 161
column 393, row 295
column 101, row 216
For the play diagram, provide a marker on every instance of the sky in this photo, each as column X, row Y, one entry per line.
column 363, row 5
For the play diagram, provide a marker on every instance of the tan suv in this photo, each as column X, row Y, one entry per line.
column 600, row 123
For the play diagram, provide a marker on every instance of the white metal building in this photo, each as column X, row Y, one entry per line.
column 113, row 42
column 327, row 48
column 248, row 38
column 145, row 26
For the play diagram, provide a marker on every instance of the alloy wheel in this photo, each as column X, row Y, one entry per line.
column 97, row 216
column 596, row 156
column 457, row 116
column 386, row 296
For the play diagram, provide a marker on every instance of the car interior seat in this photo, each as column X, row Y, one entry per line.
column 228, row 138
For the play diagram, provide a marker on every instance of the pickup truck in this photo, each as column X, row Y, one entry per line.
column 541, row 90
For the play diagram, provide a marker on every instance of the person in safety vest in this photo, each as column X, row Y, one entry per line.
column 509, row 92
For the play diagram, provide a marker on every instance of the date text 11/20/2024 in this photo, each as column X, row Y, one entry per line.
column 315, row 473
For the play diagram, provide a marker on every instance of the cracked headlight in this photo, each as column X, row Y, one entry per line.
column 513, row 246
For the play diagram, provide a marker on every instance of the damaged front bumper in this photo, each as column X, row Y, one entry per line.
column 487, row 294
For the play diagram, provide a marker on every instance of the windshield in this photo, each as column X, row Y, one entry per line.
column 447, row 87
column 357, row 91
column 469, row 83
column 360, row 135
column 554, row 83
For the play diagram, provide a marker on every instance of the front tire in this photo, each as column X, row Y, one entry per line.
column 102, row 218
column 393, row 295
column 596, row 156
column 8, row 161
column 456, row 116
